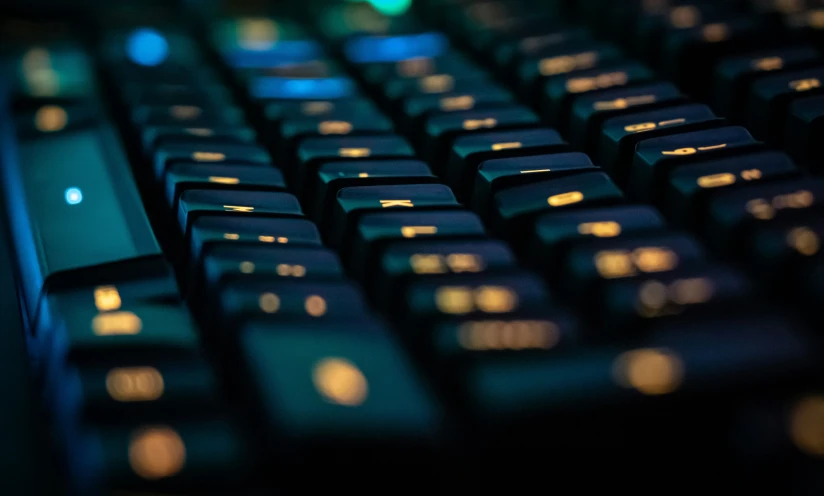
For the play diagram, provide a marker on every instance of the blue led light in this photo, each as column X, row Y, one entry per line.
column 73, row 196
column 307, row 89
column 290, row 51
column 369, row 49
column 147, row 46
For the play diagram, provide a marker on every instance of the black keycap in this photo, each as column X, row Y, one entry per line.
column 187, row 115
column 627, row 307
column 470, row 150
column 559, row 93
column 70, row 194
column 481, row 95
column 734, row 75
column 495, row 338
column 139, row 390
column 55, row 117
column 802, row 129
column 416, row 67
column 620, row 135
column 334, row 124
column 555, row 232
column 377, row 227
column 594, row 261
column 288, row 298
column 589, row 111
column 214, row 153
column 292, row 109
column 405, row 259
column 353, row 201
column 184, row 176
column 287, row 88
column 207, row 454
column 556, row 61
column 783, row 252
column 732, row 214
column 197, row 202
column 500, row 173
column 140, row 331
column 530, row 41
column 314, row 151
column 771, row 95
column 154, row 136
column 334, row 176
column 689, row 185
column 474, row 295
column 440, row 129
column 331, row 398
column 435, row 84
column 655, row 157
column 244, row 229
column 514, row 207
column 223, row 261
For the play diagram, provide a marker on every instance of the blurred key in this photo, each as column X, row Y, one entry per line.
column 279, row 110
column 451, row 62
column 259, row 261
column 556, row 61
column 441, row 129
column 334, row 123
column 197, row 202
column 155, row 135
column 802, row 129
column 514, row 207
column 556, row 232
column 655, row 157
column 261, row 42
column 589, row 112
column 281, row 88
column 214, row 153
column 382, row 227
column 732, row 214
column 620, row 135
column 470, row 150
column 352, row 202
column 734, row 75
column 181, row 177
column 187, row 115
column 334, row 176
column 404, row 259
column 209, row 229
column 372, row 49
column 343, row 400
column 481, row 94
column 435, row 84
column 784, row 252
column 473, row 295
column 593, row 261
column 689, row 185
column 558, row 94
column 771, row 95
column 242, row 299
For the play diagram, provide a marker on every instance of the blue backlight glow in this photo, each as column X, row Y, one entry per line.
column 73, row 196
column 147, row 46
column 369, row 49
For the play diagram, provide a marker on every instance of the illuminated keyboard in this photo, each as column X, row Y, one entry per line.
column 463, row 245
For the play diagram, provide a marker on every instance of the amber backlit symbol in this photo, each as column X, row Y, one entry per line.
column 50, row 118
column 650, row 371
column 116, row 323
column 807, row 425
column 157, row 453
column 106, row 298
column 134, row 384
column 339, row 381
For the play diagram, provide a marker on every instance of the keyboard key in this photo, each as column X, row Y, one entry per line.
column 187, row 115
column 516, row 206
column 287, row 88
column 436, row 84
column 440, row 129
column 595, row 261
column 154, row 136
column 324, row 393
column 388, row 226
column 473, row 295
column 482, row 94
column 555, row 232
column 734, row 75
column 207, row 454
column 499, row 173
column 782, row 252
column 182, row 177
column 354, row 201
column 689, row 185
column 656, row 157
column 627, row 307
column 374, row 49
column 334, row 176
column 210, row 229
column 197, row 202
column 470, row 150
column 589, row 111
column 771, row 95
column 312, row 152
column 213, row 153
column 402, row 260
column 733, row 213
column 288, row 298
column 76, row 208
column 556, row 61
column 558, row 93
column 416, row 67
column 620, row 135
column 802, row 128
column 279, row 110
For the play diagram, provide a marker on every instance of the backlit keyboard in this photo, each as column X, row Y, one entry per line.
column 480, row 246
